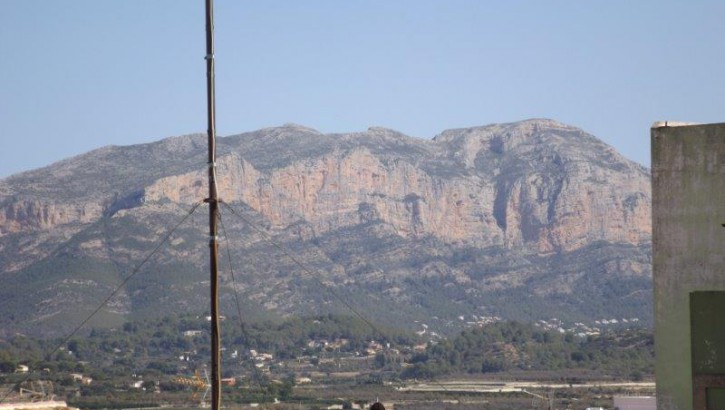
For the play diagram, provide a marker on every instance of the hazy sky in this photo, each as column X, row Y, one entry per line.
column 78, row 75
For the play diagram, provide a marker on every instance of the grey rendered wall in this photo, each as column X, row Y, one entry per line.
column 688, row 213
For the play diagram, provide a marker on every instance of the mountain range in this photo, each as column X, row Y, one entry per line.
column 528, row 220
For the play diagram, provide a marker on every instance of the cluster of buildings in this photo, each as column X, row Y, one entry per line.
column 478, row 321
column 581, row 329
column 617, row 322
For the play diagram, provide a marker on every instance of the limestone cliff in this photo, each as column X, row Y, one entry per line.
column 537, row 184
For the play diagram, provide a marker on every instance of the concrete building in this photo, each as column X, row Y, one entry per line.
column 635, row 403
column 688, row 247
column 37, row 405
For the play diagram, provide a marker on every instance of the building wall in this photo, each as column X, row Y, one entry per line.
column 688, row 213
column 635, row 403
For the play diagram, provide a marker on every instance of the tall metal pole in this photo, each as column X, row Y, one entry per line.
column 213, row 210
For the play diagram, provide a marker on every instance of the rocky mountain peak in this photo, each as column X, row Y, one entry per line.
column 300, row 128
column 386, row 132
column 179, row 145
column 534, row 138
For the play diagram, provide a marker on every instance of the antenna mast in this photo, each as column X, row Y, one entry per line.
column 213, row 209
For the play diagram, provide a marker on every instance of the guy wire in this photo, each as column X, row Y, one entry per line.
column 133, row 273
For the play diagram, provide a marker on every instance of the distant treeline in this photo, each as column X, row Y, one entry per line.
column 175, row 344
column 509, row 346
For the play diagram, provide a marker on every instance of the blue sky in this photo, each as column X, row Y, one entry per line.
column 77, row 75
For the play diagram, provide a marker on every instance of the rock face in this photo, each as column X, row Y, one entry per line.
column 537, row 184
column 491, row 208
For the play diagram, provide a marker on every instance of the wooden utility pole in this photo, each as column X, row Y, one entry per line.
column 213, row 210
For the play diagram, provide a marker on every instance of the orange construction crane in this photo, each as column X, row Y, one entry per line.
column 196, row 383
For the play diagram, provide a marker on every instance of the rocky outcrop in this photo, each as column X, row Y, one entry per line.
column 23, row 215
column 536, row 184
column 527, row 188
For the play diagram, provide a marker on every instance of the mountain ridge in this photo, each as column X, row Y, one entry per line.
column 461, row 208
